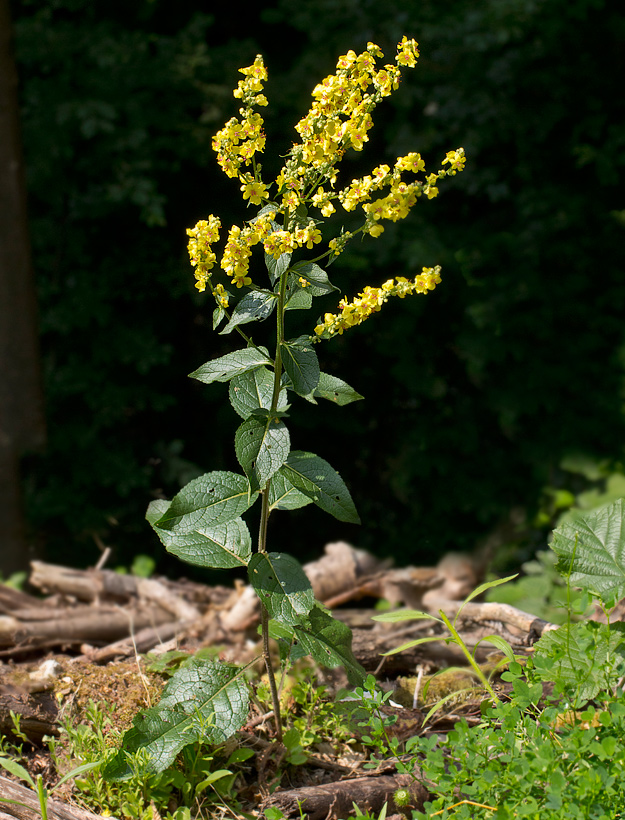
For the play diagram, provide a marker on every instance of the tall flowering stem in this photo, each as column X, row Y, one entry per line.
column 203, row 523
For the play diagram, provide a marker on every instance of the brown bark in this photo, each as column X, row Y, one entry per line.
column 31, row 811
column 333, row 800
column 37, row 711
column 21, row 400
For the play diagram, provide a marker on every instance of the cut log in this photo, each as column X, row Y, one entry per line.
column 31, row 811
column 335, row 800
column 95, row 584
column 83, row 624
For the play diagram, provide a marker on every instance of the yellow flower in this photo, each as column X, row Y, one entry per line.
column 407, row 52
column 456, row 160
column 411, row 162
column 430, row 189
column 221, row 296
column 370, row 301
column 255, row 192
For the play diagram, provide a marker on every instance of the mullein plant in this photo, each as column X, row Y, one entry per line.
column 202, row 524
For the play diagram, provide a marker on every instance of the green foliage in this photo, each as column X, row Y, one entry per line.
column 199, row 778
column 204, row 701
column 591, row 547
column 532, row 755
column 38, row 786
column 586, row 658
column 518, row 761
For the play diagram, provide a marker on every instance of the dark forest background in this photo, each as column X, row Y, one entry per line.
column 477, row 398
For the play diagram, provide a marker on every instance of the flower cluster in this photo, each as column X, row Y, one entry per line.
column 235, row 260
column 205, row 233
column 371, row 300
column 239, row 140
column 221, row 296
column 340, row 118
column 402, row 195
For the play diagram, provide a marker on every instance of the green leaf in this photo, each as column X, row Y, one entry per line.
column 232, row 364
column 284, row 636
column 301, row 364
column 501, row 643
column 254, row 390
column 330, row 642
column 297, row 297
column 218, row 315
column 335, row 390
column 205, row 502
column 410, row 644
column 592, row 547
column 399, row 615
column 277, row 267
column 86, row 767
column 320, row 482
column 282, row 586
column 16, row 770
column 204, row 701
column 223, row 546
column 579, row 653
column 482, row 588
column 255, row 306
column 261, row 447
column 284, row 496
column 319, row 284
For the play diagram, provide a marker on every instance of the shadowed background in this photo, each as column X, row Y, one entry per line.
column 478, row 397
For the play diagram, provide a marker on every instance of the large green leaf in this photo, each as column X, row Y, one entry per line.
column 301, row 364
column 277, row 267
column 212, row 499
column 254, row 390
column 261, row 446
column 297, row 298
column 592, row 546
column 253, row 307
column 319, row 284
column 320, row 482
column 335, row 390
column 577, row 655
column 223, row 546
column 204, row 701
column 330, row 643
column 225, row 367
column 284, row 496
column 282, row 586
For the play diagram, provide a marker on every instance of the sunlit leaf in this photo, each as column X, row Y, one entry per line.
column 282, row 586
column 211, row 499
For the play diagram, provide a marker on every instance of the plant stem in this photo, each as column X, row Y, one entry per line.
column 264, row 512
column 458, row 640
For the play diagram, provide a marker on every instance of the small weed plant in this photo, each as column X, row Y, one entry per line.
column 203, row 523
column 535, row 755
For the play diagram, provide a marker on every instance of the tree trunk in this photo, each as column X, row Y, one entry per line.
column 21, row 399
